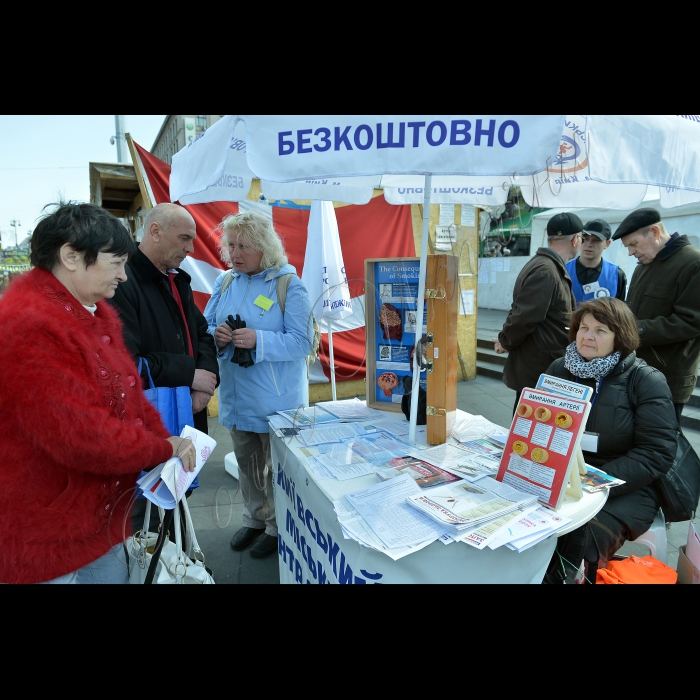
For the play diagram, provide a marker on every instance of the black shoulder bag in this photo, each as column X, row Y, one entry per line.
column 679, row 487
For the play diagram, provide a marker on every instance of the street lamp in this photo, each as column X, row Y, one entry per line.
column 14, row 223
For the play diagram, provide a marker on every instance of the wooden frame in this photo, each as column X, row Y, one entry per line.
column 442, row 293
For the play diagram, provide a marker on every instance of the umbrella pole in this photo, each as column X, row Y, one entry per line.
column 330, row 352
column 419, row 307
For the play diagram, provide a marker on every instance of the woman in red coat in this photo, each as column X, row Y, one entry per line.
column 76, row 428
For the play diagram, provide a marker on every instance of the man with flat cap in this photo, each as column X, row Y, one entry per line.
column 591, row 276
column 536, row 330
column 665, row 297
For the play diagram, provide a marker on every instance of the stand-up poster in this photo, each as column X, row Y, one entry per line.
column 391, row 295
column 543, row 444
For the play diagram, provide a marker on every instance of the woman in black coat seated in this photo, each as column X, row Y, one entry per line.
column 635, row 427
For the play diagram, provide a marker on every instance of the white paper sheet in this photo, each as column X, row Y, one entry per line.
column 355, row 528
column 385, row 510
column 331, row 433
column 351, row 409
column 379, row 448
column 466, row 302
column 447, row 214
column 488, row 532
column 173, row 473
column 316, row 469
column 344, row 466
column 540, row 521
column 277, row 421
column 468, row 215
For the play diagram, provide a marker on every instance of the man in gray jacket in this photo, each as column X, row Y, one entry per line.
column 536, row 331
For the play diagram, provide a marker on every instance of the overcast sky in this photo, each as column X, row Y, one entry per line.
column 44, row 158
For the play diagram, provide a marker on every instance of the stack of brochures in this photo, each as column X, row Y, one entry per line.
column 462, row 505
column 424, row 493
column 166, row 484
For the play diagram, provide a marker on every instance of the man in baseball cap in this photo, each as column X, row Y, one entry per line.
column 591, row 276
column 664, row 297
column 536, row 330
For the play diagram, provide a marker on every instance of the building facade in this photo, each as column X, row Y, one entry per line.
column 177, row 131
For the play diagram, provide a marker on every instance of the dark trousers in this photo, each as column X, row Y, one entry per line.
column 679, row 410
column 517, row 400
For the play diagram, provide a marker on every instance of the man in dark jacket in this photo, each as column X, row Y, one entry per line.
column 536, row 330
column 664, row 297
column 161, row 321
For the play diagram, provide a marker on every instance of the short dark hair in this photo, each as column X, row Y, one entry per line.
column 88, row 228
column 616, row 315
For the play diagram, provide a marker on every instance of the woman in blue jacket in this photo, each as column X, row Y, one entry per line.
column 273, row 377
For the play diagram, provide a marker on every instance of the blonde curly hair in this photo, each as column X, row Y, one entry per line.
column 257, row 231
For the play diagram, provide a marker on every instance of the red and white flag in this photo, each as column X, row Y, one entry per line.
column 373, row 230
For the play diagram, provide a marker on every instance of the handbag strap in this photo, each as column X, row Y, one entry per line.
column 190, row 527
column 151, row 385
column 162, row 535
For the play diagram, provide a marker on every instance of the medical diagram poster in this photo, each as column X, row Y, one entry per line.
column 391, row 325
column 542, row 444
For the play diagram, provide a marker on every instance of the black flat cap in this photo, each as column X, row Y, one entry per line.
column 598, row 227
column 636, row 220
column 564, row 224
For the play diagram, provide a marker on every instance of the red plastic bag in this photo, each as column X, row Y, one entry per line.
column 637, row 570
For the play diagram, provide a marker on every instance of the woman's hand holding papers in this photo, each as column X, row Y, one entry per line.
column 184, row 449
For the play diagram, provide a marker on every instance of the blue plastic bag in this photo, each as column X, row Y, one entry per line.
column 174, row 405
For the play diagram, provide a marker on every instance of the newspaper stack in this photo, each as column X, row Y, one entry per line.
column 466, row 505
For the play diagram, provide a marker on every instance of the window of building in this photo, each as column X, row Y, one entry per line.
column 201, row 121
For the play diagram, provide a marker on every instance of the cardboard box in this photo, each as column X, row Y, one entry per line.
column 687, row 573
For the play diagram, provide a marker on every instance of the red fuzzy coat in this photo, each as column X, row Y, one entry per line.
column 76, row 429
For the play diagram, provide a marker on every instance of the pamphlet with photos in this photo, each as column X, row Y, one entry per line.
column 423, row 473
column 596, row 480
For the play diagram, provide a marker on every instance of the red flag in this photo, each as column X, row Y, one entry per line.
column 373, row 230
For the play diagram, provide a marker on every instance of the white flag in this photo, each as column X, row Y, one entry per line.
column 324, row 270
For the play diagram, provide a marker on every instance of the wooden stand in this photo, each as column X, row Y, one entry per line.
column 442, row 296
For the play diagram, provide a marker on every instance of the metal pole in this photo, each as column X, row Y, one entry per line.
column 330, row 352
column 419, row 307
column 14, row 223
column 119, row 136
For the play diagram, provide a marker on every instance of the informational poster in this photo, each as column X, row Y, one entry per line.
column 542, row 444
column 445, row 237
column 447, row 214
column 468, row 217
column 466, row 302
column 391, row 325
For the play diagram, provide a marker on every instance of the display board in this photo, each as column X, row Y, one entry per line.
column 543, row 445
column 391, row 292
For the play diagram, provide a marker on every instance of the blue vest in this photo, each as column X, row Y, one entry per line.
column 607, row 282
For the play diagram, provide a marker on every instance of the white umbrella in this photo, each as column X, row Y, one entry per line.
column 339, row 157
column 326, row 153
column 324, row 273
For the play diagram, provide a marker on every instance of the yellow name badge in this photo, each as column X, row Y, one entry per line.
column 263, row 302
